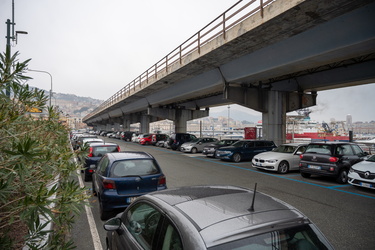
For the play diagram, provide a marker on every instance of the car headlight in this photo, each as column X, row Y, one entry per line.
column 351, row 170
column 271, row 161
column 225, row 152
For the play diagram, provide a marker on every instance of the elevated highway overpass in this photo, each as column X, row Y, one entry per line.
column 270, row 56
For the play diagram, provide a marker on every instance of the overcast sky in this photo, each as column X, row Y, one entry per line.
column 95, row 47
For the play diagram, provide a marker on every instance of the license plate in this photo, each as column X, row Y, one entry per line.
column 314, row 167
column 366, row 185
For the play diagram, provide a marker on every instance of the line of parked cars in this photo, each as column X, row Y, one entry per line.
column 333, row 159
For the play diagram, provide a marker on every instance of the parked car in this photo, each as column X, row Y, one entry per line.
column 158, row 137
column 212, row 217
column 196, row 145
column 126, row 135
column 122, row 177
column 362, row 174
column 163, row 142
column 244, row 150
column 95, row 152
column 210, row 150
column 145, row 139
column 177, row 139
column 91, row 140
column 282, row 159
column 332, row 159
column 79, row 140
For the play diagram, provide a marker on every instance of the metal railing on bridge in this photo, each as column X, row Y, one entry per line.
column 218, row 27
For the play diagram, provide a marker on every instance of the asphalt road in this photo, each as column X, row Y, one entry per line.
column 345, row 214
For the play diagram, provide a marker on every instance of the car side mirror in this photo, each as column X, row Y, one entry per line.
column 112, row 224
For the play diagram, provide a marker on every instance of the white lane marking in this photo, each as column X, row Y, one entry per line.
column 90, row 219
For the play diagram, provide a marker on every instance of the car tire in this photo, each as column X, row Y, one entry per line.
column 94, row 193
column 283, row 167
column 194, row 150
column 305, row 175
column 103, row 215
column 236, row 157
column 342, row 178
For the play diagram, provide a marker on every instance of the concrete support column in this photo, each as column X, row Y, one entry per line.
column 145, row 124
column 117, row 126
column 108, row 127
column 126, row 124
column 274, row 120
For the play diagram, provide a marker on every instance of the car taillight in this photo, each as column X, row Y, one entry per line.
column 118, row 148
column 162, row 181
column 301, row 156
column 90, row 152
column 333, row 159
column 109, row 184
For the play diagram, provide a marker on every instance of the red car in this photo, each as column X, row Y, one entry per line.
column 146, row 139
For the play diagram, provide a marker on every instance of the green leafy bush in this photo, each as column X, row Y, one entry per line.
column 36, row 168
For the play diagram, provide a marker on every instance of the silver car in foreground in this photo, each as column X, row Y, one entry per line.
column 282, row 159
column 212, row 217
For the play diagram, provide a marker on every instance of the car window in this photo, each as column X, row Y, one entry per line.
column 100, row 151
column 344, row 150
column 102, row 166
column 171, row 238
column 133, row 168
column 142, row 222
column 260, row 144
column 301, row 237
column 285, row 149
column 357, row 150
column 319, row 149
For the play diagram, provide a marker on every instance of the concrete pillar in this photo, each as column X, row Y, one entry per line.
column 126, row 124
column 145, row 124
column 274, row 120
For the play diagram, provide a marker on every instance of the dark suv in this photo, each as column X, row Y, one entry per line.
column 244, row 150
column 332, row 159
column 177, row 139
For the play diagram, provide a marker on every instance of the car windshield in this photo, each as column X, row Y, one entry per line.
column 372, row 158
column 134, row 167
column 285, row 149
column 319, row 149
column 301, row 237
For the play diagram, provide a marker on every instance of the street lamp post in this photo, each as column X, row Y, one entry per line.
column 50, row 91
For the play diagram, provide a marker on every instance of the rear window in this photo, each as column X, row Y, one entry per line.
column 136, row 167
column 100, row 151
column 319, row 149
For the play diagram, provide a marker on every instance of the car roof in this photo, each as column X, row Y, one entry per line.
column 332, row 142
column 127, row 155
column 98, row 144
column 294, row 144
column 222, row 213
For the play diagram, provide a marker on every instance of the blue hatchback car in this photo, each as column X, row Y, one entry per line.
column 121, row 177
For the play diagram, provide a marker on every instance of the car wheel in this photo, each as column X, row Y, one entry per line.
column 283, row 167
column 93, row 190
column 236, row 157
column 342, row 178
column 194, row 150
column 305, row 175
column 103, row 215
